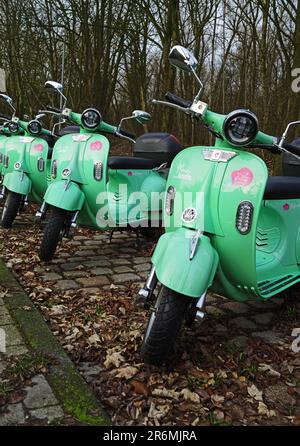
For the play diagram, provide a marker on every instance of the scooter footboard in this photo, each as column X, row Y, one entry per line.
column 63, row 195
column 174, row 268
column 17, row 182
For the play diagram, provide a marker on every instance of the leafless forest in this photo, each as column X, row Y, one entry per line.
column 116, row 56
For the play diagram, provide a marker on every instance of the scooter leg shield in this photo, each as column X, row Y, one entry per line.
column 17, row 182
column 175, row 270
column 64, row 195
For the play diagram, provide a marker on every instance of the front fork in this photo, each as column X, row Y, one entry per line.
column 145, row 296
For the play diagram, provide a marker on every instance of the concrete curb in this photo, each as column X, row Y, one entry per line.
column 67, row 384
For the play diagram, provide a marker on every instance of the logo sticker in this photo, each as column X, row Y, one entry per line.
column 38, row 147
column 242, row 177
column 96, row 145
column 189, row 215
column 80, row 137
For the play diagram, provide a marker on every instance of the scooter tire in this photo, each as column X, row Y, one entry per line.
column 10, row 209
column 164, row 325
column 52, row 234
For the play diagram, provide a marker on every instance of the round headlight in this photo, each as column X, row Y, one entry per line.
column 13, row 127
column 240, row 127
column 34, row 127
column 91, row 118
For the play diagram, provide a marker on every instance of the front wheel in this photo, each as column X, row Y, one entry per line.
column 10, row 209
column 53, row 233
column 164, row 325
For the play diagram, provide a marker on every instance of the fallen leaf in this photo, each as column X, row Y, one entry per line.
column 263, row 410
column 139, row 387
column 255, row 393
column 190, row 396
column 114, row 359
column 166, row 393
column 159, row 411
column 217, row 400
column 127, row 372
column 94, row 339
column 267, row 368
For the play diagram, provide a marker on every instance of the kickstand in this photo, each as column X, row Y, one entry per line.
column 111, row 235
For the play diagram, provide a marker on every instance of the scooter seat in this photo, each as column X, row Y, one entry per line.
column 282, row 188
column 130, row 162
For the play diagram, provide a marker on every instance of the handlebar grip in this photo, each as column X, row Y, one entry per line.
column 128, row 134
column 5, row 117
column 292, row 148
column 53, row 109
column 177, row 100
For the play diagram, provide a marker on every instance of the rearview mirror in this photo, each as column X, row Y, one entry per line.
column 183, row 59
column 6, row 98
column 52, row 85
column 141, row 116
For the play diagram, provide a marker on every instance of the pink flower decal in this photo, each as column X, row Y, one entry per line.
column 286, row 206
column 96, row 145
column 242, row 177
column 130, row 174
column 38, row 147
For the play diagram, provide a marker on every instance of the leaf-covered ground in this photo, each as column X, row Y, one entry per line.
column 222, row 371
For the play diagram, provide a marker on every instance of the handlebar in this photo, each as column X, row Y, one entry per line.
column 53, row 109
column 171, row 97
column 7, row 118
column 127, row 134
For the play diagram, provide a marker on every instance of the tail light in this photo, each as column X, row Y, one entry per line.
column 244, row 217
column 98, row 170
column 41, row 165
column 54, row 169
column 170, row 197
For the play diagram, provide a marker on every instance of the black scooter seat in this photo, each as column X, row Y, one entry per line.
column 131, row 162
column 282, row 188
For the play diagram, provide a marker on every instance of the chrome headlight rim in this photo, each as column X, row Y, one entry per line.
column 97, row 115
column 31, row 125
column 231, row 118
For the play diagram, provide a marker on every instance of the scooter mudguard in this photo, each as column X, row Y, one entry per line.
column 17, row 182
column 175, row 270
column 65, row 195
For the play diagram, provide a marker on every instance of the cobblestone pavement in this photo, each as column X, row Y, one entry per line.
column 38, row 404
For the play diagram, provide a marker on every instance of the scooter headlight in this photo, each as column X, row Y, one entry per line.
column 34, row 127
column 240, row 127
column 244, row 217
column 91, row 118
column 170, row 197
column 13, row 127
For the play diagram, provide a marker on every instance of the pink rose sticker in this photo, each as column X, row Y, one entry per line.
column 130, row 174
column 96, row 145
column 38, row 147
column 242, row 177
column 286, row 206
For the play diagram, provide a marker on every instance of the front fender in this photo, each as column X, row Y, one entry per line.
column 175, row 270
column 64, row 195
column 17, row 182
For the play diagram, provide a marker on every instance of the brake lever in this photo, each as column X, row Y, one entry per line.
column 49, row 112
column 170, row 104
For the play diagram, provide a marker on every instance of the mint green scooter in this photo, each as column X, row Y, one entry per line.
column 91, row 188
column 229, row 227
column 25, row 156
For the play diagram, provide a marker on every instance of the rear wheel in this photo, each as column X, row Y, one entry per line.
column 164, row 325
column 10, row 209
column 53, row 233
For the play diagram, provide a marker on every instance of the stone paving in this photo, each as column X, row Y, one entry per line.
column 39, row 406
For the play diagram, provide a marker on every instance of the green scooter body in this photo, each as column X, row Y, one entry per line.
column 255, row 265
column 76, row 187
column 27, row 166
